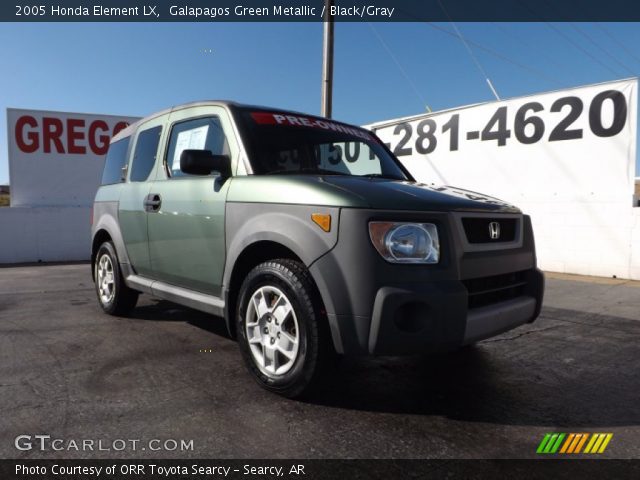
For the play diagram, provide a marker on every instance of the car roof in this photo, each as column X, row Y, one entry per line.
column 222, row 103
column 134, row 126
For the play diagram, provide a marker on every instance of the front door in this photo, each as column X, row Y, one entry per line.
column 186, row 230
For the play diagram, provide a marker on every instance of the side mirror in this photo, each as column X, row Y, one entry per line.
column 203, row 162
column 123, row 172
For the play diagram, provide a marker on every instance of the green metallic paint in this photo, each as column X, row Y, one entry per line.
column 360, row 192
column 131, row 213
column 109, row 193
column 133, row 224
column 292, row 189
column 387, row 194
column 186, row 237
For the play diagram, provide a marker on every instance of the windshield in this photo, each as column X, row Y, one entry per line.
column 283, row 143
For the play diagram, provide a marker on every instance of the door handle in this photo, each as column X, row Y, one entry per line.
column 152, row 202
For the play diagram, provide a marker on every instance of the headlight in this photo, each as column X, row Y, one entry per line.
column 406, row 242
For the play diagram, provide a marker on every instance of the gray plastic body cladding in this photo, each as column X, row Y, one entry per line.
column 288, row 225
column 105, row 217
column 188, row 298
column 361, row 290
column 492, row 320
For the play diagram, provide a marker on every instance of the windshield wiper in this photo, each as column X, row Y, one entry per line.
column 314, row 171
column 381, row 175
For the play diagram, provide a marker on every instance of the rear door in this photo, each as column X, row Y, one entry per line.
column 186, row 232
column 133, row 199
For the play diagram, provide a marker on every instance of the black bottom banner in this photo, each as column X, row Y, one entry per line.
column 208, row 469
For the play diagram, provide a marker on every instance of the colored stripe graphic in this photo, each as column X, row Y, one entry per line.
column 606, row 442
column 551, row 443
column 581, row 443
column 590, row 444
column 598, row 442
column 543, row 443
column 572, row 443
column 556, row 445
column 567, row 442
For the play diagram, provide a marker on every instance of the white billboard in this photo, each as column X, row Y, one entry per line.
column 56, row 158
column 565, row 157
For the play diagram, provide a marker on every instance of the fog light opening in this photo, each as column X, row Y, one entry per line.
column 412, row 317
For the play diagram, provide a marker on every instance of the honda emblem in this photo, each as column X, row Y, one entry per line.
column 494, row 230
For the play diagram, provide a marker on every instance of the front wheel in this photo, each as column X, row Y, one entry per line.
column 281, row 332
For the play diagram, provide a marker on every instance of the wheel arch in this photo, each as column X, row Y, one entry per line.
column 106, row 228
column 252, row 255
column 101, row 236
column 258, row 232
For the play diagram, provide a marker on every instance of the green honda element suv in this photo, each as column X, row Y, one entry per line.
column 307, row 236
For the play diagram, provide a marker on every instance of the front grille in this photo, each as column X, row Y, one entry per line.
column 498, row 288
column 479, row 229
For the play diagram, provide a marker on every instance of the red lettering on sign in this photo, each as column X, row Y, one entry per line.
column 102, row 147
column 119, row 127
column 51, row 132
column 28, row 135
column 73, row 135
column 32, row 137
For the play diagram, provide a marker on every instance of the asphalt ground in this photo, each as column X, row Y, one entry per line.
column 169, row 373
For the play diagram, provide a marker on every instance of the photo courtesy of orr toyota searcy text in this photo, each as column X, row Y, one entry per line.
column 292, row 469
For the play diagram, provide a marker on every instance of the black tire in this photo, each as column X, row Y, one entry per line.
column 293, row 280
column 122, row 298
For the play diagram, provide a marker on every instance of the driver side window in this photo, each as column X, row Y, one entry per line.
column 199, row 134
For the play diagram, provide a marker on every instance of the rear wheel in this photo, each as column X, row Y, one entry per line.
column 114, row 296
column 281, row 332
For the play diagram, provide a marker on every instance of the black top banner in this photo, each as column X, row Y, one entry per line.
column 315, row 10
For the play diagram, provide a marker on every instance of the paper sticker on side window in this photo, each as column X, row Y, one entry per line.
column 194, row 139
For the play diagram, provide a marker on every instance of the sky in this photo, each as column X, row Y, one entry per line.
column 381, row 71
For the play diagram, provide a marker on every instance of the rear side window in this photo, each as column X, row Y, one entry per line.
column 199, row 134
column 144, row 156
column 116, row 159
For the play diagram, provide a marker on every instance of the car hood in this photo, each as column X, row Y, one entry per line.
column 387, row 194
column 361, row 192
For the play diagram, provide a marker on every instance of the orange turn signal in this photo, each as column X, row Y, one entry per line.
column 323, row 220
